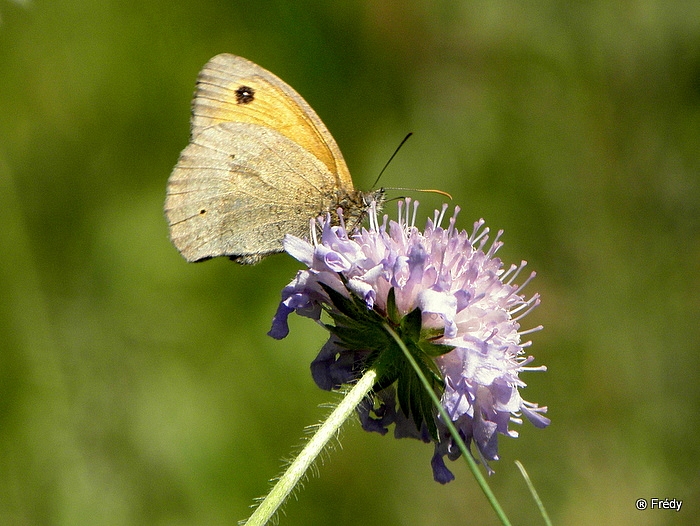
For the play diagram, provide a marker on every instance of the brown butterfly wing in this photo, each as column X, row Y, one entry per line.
column 260, row 164
column 233, row 89
column 238, row 188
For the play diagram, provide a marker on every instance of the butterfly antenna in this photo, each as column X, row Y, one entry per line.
column 391, row 158
column 426, row 190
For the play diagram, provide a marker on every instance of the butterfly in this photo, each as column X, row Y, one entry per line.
column 260, row 164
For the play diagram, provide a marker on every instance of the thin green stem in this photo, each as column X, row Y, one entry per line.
column 534, row 493
column 466, row 454
column 289, row 479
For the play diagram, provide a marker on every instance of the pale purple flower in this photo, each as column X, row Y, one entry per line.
column 466, row 300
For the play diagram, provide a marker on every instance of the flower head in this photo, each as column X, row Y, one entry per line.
column 452, row 303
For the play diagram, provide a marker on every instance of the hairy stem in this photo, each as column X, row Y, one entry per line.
column 285, row 484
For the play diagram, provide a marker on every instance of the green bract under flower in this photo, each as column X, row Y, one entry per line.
column 452, row 304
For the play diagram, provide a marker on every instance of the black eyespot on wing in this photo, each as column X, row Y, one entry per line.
column 202, row 212
column 245, row 95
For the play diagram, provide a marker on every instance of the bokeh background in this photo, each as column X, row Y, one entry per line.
column 138, row 389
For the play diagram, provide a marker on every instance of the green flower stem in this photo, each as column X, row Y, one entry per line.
column 466, row 454
column 534, row 493
column 285, row 484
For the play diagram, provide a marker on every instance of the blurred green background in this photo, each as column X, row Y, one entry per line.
column 138, row 389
